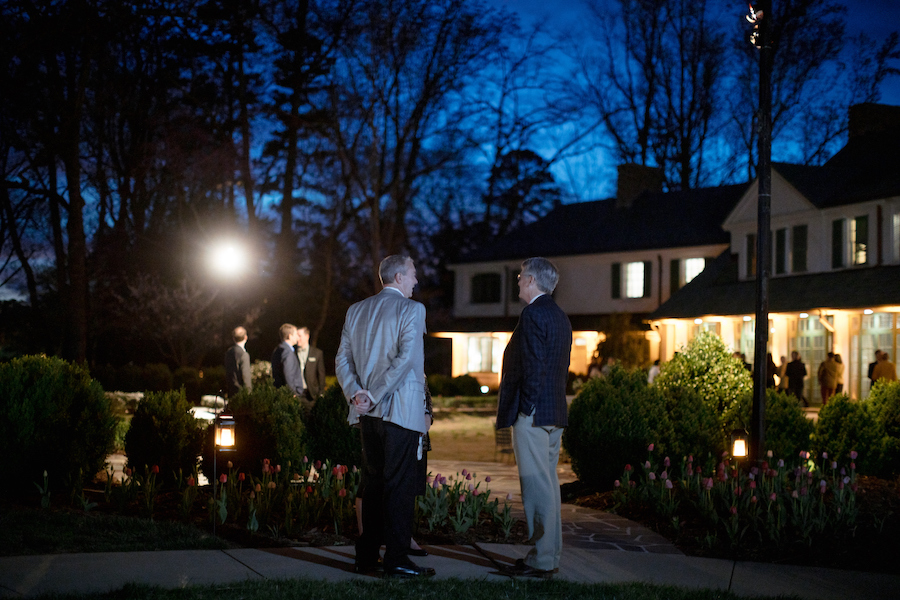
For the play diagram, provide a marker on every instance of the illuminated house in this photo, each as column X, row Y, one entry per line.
column 835, row 268
column 622, row 255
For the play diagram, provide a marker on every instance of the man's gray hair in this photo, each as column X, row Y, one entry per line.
column 545, row 273
column 390, row 266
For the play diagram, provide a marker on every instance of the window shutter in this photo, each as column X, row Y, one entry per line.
column 837, row 244
column 674, row 276
column 616, row 283
column 648, row 278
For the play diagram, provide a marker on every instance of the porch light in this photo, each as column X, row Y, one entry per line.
column 747, row 319
column 868, row 311
column 485, row 389
column 698, row 321
column 739, row 439
column 225, row 438
column 804, row 316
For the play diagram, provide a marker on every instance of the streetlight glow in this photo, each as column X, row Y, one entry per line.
column 228, row 259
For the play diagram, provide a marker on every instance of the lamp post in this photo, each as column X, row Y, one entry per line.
column 761, row 15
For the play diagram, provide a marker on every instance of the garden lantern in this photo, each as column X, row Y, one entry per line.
column 739, row 440
column 225, row 438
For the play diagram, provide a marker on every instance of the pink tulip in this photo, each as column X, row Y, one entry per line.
column 317, row 464
column 278, row 468
column 223, row 478
column 668, row 484
column 628, row 468
column 468, row 477
column 780, row 463
column 738, row 491
column 834, row 464
column 465, row 472
column 632, row 484
column 617, row 483
column 752, row 485
column 241, row 477
column 190, row 481
column 652, row 476
column 666, row 462
column 753, row 499
column 265, row 461
column 853, row 454
column 769, row 454
column 663, row 475
column 794, row 494
column 647, row 465
column 650, row 448
column 487, row 479
column 824, row 455
column 509, row 496
column 475, row 492
column 462, row 498
column 772, row 497
column 698, row 470
column 305, row 460
column 272, row 485
column 690, row 458
column 258, row 488
column 342, row 493
column 309, row 489
column 733, row 510
column 853, row 466
column 154, row 469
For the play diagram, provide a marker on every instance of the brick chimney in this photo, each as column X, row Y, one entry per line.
column 873, row 118
column 634, row 180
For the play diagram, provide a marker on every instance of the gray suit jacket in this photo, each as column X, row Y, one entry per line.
column 382, row 350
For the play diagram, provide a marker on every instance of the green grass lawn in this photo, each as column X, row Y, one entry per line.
column 35, row 531
column 463, row 437
column 412, row 590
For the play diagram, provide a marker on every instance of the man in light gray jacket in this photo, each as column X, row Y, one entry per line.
column 380, row 366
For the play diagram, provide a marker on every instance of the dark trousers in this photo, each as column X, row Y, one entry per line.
column 389, row 461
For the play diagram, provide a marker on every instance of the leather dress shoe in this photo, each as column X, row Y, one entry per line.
column 407, row 571
column 417, row 552
column 520, row 569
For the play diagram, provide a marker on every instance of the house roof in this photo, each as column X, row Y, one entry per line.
column 717, row 291
column 654, row 220
column 867, row 168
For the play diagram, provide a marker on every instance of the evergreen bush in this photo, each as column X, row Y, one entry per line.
column 844, row 426
column 213, row 381
column 788, row 430
column 55, row 418
column 439, row 384
column 883, row 405
column 707, row 367
column 696, row 429
column 466, row 385
column 164, row 432
column 328, row 436
column 156, row 377
column 612, row 421
column 269, row 424
column 189, row 379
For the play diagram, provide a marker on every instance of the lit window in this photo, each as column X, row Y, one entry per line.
column 693, row 267
column 634, row 280
column 485, row 355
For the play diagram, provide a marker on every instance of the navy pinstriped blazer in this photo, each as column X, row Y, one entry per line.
column 535, row 366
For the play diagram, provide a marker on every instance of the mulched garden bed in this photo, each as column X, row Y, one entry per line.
column 873, row 546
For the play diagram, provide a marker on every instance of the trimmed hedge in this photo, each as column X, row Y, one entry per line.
column 164, row 432
column 55, row 418
column 611, row 422
column 269, row 424
column 328, row 436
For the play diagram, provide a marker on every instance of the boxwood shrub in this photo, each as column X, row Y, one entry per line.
column 269, row 424
column 883, row 404
column 328, row 436
column 845, row 426
column 55, row 418
column 164, row 432
column 612, row 421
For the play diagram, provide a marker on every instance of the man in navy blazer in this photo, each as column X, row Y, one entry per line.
column 533, row 402
column 286, row 369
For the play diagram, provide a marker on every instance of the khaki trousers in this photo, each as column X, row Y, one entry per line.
column 537, row 454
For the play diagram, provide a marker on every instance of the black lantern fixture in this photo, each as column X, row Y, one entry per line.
column 739, row 443
column 225, row 437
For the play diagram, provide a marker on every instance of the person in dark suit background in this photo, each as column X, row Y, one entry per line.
column 286, row 369
column 312, row 365
column 237, row 364
column 533, row 402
